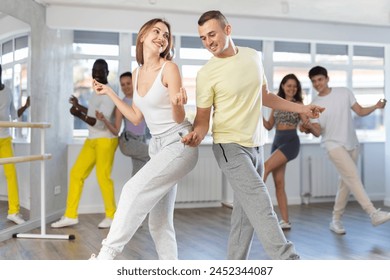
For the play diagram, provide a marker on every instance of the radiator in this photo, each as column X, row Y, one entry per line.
column 203, row 183
column 323, row 177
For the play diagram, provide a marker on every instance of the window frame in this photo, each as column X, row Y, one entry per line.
column 267, row 49
column 21, row 61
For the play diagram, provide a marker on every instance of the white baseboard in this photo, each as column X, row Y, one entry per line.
column 387, row 202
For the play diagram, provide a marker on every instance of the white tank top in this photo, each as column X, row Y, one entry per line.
column 155, row 105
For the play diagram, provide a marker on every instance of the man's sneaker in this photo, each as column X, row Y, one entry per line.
column 337, row 227
column 379, row 217
column 16, row 218
column 284, row 225
column 65, row 222
column 106, row 223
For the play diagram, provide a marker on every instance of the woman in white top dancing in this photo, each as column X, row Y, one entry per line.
column 160, row 99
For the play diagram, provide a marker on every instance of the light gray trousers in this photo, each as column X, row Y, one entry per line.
column 153, row 190
column 252, row 206
column 134, row 146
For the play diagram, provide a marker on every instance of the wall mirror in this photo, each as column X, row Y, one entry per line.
column 14, row 59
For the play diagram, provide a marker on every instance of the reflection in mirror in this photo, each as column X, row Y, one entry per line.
column 14, row 92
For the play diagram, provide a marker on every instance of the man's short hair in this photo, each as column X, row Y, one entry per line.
column 318, row 70
column 213, row 14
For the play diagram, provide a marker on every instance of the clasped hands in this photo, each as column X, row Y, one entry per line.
column 313, row 111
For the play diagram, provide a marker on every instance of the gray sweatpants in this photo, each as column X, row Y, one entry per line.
column 153, row 190
column 134, row 146
column 252, row 206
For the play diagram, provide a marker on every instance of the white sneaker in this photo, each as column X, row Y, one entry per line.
column 106, row 223
column 379, row 217
column 102, row 256
column 337, row 227
column 65, row 222
column 16, row 218
column 284, row 225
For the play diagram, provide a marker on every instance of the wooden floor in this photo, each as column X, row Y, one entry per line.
column 202, row 234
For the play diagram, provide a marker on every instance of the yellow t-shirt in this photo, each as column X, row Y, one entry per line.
column 233, row 86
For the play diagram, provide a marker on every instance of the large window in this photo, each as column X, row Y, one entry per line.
column 368, row 56
column 330, row 53
column 358, row 67
column 291, row 52
column 191, row 56
column 368, row 85
column 14, row 60
column 192, row 48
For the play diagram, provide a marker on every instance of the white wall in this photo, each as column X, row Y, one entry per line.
column 186, row 23
column 10, row 25
column 374, row 171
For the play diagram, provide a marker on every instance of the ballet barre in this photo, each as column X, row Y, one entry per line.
column 24, row 124
column 24, row 159
column 42, row 157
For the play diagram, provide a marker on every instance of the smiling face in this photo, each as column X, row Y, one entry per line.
column 290, row 88
column 157, row 38
column 215, row 37
column 320, row 83
column 127, row 86
column 154, row 36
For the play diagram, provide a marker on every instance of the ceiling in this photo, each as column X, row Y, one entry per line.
column 373, row 12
